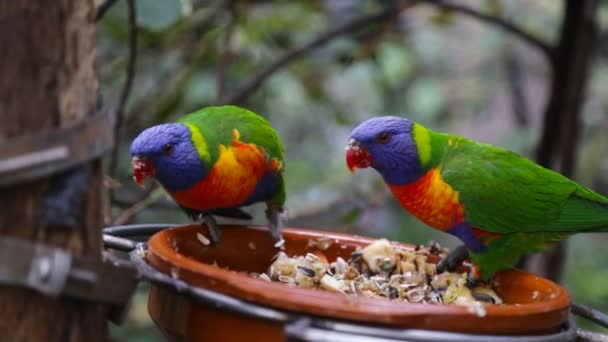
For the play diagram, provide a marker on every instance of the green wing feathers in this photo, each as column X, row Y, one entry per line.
column 584, row 211
column 503, row 192
column 216, row 125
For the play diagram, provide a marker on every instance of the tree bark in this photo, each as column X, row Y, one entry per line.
column 570, row 65
column 49, row 80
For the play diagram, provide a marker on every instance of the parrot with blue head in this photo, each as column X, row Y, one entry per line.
column 213, row 162
column 498, row 203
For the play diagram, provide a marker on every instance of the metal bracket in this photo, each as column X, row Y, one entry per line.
column 38, row 267
column 56, row 272
column 306, row 329
column 35, row 156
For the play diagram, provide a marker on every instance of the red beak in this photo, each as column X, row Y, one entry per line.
column 356, row 156
column 142, row 169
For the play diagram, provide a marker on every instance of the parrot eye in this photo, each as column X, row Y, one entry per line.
column 168, row 149
column 384, row 137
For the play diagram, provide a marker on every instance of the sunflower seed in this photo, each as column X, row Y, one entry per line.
column 307, row 271
column 280, row 244
column 392, row 293
column 203, row 239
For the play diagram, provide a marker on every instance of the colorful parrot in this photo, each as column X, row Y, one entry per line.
column 214, row 161
column 500, row 204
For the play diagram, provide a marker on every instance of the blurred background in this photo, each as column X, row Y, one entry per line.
column 530, row 76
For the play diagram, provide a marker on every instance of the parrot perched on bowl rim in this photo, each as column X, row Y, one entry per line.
column 498, row 203
column 214, row 161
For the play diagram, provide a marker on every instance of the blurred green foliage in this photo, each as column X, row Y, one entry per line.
column 443, row 69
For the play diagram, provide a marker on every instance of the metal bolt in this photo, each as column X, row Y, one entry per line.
column 44, row 268
column 141, row 250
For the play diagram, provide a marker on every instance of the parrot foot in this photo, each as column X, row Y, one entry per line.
column 275, row 224
column 473, row 279
column 454, row 258
column 214, row 229
column 483, row 297
column 471, row 284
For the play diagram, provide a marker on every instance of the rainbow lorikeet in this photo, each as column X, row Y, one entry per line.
column 214, row 161
column 500, row 204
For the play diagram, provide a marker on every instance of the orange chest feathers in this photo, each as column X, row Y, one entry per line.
column 231, row 180
column 431, row 200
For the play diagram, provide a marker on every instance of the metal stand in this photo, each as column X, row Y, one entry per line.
column 300, row 327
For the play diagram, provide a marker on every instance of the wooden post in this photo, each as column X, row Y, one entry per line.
column 48, row 79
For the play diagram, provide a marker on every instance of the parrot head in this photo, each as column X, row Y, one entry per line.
column 386, row 144
column 166, row 153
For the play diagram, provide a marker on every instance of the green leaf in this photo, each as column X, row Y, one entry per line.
column 495, row 7
column 426, row 97
column 158, row 15
column 200, row 89
column 442, row 18
column 351, row 216
column 395, row 62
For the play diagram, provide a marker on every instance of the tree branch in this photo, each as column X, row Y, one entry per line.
column 103, row 9
column 149, row 197
column 126, row 90
column 226, row 52
column 373, row 41
column 515, row 82
column 337, row 212
column 536, row 42
column 161, row 204
column 159, row 100
column 250, row 85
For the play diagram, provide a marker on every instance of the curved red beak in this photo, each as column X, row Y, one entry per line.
column 357, row 156
column 142, row 169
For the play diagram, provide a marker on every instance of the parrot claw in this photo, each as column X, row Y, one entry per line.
column 275, row 223
column 471, row 284
column 454, row 258
column 214, row 230
column 483, row 297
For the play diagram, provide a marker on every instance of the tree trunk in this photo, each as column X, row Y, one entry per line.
column 571, row 65
column 49, row 80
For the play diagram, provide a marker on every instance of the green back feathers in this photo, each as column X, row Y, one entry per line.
column 212, row 126
column 584, row 210
column 503, row 192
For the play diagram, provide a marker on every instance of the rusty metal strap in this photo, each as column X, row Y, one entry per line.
column 35, row 156
column 56, row 272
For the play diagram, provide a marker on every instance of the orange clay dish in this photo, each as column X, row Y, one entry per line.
column 530, row 304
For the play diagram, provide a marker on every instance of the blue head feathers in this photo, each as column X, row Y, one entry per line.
column 168, row 147
column 389, row 141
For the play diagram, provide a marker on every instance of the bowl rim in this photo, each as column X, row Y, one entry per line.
column 164, row 258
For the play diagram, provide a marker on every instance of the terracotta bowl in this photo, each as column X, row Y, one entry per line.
column 533, row 305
